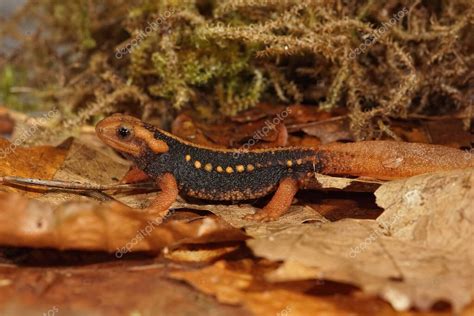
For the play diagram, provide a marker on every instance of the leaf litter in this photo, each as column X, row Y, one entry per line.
column 417, row 253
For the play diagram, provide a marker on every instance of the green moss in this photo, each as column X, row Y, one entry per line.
column 7, row 81
column 10, row 78
column 74, row 17
column 198, row 64
column 227, row 56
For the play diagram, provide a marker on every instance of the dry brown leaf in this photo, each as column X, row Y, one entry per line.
column 309, row 245
column 87, row 163
column 448, row 131
column 417, row 253
column 330, row 130
column 332, row 182
column 435, row 210
column 110, row 227
column 36, row 162
column 184, row 127
column 6, row 122
column 232, row 286
column 240, row 283
column 199, row 254
column 79, row 284
column 324, row 182
column 235, row 215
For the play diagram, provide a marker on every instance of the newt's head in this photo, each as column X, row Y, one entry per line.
column 128, row 135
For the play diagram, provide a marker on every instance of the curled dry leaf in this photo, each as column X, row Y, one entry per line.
column 195, row 253
column 110, row 227
column 417, row 253
column 324, row 182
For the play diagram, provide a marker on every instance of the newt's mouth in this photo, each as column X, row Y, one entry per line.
column 106, row 130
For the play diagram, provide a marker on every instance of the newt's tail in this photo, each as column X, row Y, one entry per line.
column 390, row 159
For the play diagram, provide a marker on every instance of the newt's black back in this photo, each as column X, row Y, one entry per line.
column 226, row 175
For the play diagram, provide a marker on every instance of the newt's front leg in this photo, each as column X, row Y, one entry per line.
column 169, row 192
column 280, row 202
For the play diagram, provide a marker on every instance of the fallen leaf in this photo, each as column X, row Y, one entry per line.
column 35, row 162
column 101, row 287
column 417, row 253
column 263, row 133
column 231, row 286
column 235, row 215
column 89, row 164
column 328, row 182
column 434, row 210
column 329, row 130
column 111, row 227
column 7, row 124
column 240, row 283
column 196, row 253
column 448, row 132
column 184, row 127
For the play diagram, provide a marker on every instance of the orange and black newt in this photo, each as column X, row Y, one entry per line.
column 231, row 175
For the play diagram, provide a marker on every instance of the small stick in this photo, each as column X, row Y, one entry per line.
column 72, row 185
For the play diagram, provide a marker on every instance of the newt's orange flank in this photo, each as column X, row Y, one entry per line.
column 219, row 174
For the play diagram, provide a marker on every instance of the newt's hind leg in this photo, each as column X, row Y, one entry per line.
column 164, row 199
column 280, row 202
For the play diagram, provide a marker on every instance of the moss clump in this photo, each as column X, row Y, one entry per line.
column 381, row 60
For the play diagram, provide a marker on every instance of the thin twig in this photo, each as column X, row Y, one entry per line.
column 72, row 185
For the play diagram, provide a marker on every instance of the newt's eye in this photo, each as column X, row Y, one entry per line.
column 123, row 132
